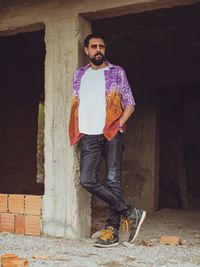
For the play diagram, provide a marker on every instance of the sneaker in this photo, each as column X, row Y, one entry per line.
column 108, row 238
column 133, row 223
column 98, row 233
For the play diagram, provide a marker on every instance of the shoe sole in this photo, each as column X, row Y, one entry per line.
column 107, row 246
column 139, row 226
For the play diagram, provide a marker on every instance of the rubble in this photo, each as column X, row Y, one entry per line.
column 170, row 240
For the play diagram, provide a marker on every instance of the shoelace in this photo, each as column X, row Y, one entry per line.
column 106, row 234
column 127, row 224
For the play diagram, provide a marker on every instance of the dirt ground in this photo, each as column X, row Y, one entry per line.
column 60, row 252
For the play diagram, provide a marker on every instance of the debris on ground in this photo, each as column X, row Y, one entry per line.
column 41, row 257
column 146, row 243
column 170, row 240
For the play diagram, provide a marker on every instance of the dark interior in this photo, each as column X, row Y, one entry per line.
column 21, row 88
column 160, row 52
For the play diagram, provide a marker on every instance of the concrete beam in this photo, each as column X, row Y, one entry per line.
column 16, row 15
column 114, row 9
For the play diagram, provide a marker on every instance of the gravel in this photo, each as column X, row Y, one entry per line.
column 60, row 252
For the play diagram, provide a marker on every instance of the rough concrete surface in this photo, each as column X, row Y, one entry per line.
column 63, row 252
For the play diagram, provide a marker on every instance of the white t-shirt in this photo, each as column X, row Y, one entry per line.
column 92, row 106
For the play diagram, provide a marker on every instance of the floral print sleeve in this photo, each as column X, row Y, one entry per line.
column 75, row 84
column 127, row 98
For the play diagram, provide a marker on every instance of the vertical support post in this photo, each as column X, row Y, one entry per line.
column 66, row 207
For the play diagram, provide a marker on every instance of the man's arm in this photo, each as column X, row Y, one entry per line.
column 128, row 101
column 128, row 111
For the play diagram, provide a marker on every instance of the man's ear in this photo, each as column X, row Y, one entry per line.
column 86, row 50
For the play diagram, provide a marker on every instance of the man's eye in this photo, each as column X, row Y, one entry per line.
column 102, row 46
column 93, row 46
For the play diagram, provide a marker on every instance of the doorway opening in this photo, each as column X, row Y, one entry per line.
column 179, row 147
column 159, row 51
column 21, row 96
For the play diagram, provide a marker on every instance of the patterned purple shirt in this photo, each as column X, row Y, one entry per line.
column 118, row 97
column 115, row 78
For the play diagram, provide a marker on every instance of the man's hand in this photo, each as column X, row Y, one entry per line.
column 125, row 116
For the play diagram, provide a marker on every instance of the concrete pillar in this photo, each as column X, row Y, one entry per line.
column 66, row 207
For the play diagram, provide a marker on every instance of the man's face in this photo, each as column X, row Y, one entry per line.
column 96, row 51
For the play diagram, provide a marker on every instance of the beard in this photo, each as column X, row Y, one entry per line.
column 98, row 61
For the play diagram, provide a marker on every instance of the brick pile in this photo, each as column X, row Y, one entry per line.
column 21, row 214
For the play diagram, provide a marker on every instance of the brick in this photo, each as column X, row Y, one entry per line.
column 7, row 222
column 6, row 259
column 3, row 203
column 20, row 224
column 170, row 240
column 33, row 205
column 20, row 263
column 16, row 204
column 32, row 225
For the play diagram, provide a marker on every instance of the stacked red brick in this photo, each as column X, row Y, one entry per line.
column 20, row 214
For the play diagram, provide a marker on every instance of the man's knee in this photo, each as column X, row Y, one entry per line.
column 88, row 185
column 114, row 185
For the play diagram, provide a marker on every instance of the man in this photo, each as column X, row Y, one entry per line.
column 102, row 103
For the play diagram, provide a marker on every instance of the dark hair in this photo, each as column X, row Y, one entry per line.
column 91, row 36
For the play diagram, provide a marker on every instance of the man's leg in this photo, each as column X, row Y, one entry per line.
column 91, row 156
column 133, row 217
column 113, row 151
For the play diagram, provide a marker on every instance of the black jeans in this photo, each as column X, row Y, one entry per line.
column 93, row 149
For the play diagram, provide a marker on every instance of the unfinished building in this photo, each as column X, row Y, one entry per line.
column 157, row 43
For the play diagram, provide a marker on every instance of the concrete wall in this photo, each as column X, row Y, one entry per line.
column 66, row 206
column 139, row 158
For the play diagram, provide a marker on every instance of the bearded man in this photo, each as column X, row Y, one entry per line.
column 101, row 105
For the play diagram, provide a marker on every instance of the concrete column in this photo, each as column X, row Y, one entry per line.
column 66, row 207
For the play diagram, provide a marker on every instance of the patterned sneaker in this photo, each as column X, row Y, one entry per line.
column 99, row 233
column 133, row 223
column 109, row 238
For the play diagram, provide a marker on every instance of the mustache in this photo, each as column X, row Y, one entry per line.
column 98, row 54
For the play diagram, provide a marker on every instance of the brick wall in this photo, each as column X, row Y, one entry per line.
column 21, row 214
